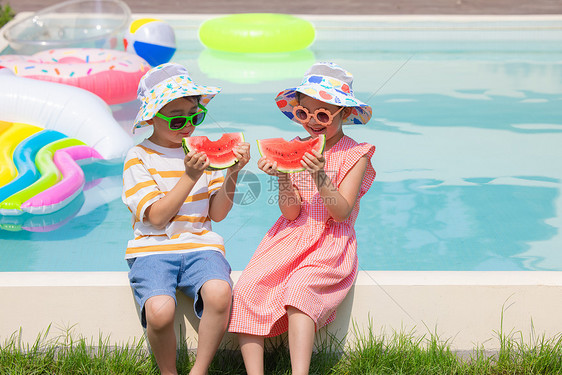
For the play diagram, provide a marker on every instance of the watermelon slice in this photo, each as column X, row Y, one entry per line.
column 219, row 152
column 288, row 154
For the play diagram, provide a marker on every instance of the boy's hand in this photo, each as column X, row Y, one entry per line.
column 313, row 162
column 242, row 153
column 195, row 164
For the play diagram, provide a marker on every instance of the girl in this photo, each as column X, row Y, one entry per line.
column 307, row 262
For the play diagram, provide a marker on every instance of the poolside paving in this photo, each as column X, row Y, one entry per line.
column 348, row 7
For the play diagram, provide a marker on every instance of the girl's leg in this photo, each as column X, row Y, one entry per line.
column 217, row 297
column 301, row 340
column 160, row 311
column 252, row 351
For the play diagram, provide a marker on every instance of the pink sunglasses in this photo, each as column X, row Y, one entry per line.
column 321, row 115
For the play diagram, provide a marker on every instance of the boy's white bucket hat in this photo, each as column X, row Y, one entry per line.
column 330, row 83
column 164, row 83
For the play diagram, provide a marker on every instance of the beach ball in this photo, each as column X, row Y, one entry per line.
column 152, row 39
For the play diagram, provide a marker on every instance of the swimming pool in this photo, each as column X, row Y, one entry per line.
column 467, row 123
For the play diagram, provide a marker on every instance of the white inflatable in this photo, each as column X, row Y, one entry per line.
column 72, row 111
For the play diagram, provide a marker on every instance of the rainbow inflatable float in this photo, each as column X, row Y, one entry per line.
column 69, row 110
column 38, row 169
column 39, row 164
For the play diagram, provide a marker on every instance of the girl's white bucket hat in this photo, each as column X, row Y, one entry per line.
column 164, row 83
column 330, row 83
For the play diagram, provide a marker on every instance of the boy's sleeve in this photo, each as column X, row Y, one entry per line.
column 139, row 187
column 216, row 179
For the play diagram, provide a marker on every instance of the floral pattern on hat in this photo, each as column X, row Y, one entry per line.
column 330, row 83
column 164, row 83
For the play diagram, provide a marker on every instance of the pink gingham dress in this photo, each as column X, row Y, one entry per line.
column 309, row 263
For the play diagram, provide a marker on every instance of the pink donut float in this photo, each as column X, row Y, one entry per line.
column 112, row 75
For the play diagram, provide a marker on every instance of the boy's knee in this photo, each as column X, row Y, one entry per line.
column 160, row 311
column 217, row 295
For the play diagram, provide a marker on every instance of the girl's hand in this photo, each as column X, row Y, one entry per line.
column 269, row 167
column 195, row 164
column 242, row 153
column 313, row 162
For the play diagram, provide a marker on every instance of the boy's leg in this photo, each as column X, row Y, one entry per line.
column 301, row 340
column 205, row 277
column 217, row 298
column 160, row 312
column 252, row 351
column 154, row 281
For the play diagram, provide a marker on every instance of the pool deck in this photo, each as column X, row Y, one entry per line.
column 363, row 7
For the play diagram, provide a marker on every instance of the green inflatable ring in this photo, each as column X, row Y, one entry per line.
column 256, row 33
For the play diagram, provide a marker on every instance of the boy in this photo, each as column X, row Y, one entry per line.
column 173, row 199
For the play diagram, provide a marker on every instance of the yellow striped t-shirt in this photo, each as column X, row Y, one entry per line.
column 151, row 171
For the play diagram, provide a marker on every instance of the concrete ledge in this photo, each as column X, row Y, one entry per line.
column 464, row 308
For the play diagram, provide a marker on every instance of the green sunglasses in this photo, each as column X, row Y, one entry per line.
column 179, row 122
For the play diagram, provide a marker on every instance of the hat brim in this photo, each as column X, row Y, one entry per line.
column 155, row 103
column 361, row 114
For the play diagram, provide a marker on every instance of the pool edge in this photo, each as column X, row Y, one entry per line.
column 464, row 308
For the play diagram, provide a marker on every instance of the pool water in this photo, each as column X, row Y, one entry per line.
column 467, row 123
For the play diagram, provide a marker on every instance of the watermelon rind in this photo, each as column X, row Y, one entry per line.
column 321, row 150
column 215, row 166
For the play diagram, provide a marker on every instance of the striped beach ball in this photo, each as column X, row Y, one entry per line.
column 152, row 39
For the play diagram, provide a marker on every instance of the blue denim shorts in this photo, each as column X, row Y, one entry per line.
column 162, row 274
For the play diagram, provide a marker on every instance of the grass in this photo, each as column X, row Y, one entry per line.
column 66, row 355
column 398, row 353
column 6, row 14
